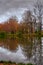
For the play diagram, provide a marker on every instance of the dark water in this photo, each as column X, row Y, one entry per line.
column 21, row 50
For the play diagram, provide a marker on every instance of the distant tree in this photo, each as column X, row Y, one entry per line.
column 29, row 21
column 10, row 25
column 13, row 24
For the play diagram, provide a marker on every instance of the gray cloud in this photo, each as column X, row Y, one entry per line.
column 5, row 5
column 8, row 4
column 17, row 5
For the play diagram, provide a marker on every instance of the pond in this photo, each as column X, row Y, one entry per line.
column 21, row 50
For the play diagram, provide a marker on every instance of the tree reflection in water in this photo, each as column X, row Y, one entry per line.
column 30, row 47
column 10, row 44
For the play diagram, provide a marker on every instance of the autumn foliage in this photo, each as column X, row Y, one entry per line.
column 9, row 26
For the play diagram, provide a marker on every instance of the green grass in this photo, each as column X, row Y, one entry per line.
column 19, row 35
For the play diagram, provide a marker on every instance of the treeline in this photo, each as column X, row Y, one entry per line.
column 25, row 26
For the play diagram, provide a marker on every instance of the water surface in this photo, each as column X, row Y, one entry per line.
column 21, row 50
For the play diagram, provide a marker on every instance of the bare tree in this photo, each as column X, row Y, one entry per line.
column 38, row 10
column 29, row 20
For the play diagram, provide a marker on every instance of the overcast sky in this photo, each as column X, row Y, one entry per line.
column 8, row 4
column 11, row 7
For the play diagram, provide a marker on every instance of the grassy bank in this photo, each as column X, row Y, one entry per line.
column 19, row 35
column 13, row 63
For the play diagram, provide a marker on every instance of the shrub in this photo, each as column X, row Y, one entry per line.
column 19, row 34
column 21, row 64
column 29, row 64
column 2, row 34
